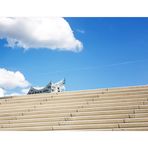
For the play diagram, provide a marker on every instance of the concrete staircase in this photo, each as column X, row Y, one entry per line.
column 113, row 109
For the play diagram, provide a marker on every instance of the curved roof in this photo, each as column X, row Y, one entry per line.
column 48, row 88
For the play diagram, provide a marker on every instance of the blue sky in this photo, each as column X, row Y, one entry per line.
column 114, row 54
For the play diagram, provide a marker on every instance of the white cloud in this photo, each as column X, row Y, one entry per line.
column 13, row 94
column 52, row 33
column 25, row 90
column 11, row 80
column 2, row 92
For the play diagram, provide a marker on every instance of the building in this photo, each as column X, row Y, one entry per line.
column 51, row 87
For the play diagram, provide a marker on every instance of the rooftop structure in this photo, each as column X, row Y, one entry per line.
column 51, row 87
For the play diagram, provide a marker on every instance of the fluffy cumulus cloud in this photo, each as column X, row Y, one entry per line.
column 11, row 80
column 25, row 90
column 2, row 92
column 52, row 33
